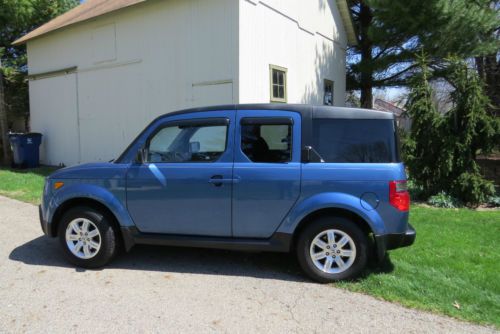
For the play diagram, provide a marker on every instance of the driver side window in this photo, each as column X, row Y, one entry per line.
column 163, row 139
column 188, row 143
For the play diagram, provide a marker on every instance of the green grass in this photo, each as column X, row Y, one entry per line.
column 24, row 184
column 453, row 268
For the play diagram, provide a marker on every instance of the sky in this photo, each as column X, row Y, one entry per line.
column 392, row 93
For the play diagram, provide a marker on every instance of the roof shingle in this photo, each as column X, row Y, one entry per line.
column 86, row 11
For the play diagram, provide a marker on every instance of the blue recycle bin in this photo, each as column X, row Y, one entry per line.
column 26, row 149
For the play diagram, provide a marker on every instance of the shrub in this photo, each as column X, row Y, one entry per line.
column 416, row 191
column 494, row 201
column 472, row 189
column 443, row 200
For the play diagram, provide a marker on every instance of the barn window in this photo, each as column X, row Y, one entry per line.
column 328, row 93
column 278, row 83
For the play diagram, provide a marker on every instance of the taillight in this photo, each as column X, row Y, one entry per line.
column 399, row 196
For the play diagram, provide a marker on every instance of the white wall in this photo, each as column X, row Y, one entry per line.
column 133, row 65
column 161, row 56
column 54, row 114
column 306, row 37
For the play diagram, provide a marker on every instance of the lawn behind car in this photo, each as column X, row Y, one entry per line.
column 453, row 268
column 24, row 184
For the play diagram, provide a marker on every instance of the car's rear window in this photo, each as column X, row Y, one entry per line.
column 355, row 140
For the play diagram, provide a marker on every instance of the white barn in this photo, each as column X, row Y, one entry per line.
column 102, row 71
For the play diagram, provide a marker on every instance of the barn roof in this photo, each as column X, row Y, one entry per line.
column 93, row 8
column 345, row 13
column 85, row 11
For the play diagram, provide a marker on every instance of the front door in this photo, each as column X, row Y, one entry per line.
column 266, row 170
column 185, row 186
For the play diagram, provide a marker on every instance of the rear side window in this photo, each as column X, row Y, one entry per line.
column 264, row 141
column 355, row 140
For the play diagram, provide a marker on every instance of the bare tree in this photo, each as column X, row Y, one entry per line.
column 3, row 121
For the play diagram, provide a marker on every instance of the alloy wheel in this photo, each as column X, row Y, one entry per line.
column 332, row 251
column 83, row 238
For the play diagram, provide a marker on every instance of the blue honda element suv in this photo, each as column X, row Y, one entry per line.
column 326, row 183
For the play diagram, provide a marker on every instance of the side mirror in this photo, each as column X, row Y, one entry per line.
column 142, row 155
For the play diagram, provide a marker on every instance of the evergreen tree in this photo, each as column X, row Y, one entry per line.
column 488, row 68
column 471, row 130
column 441, row 148
column 390, row 33
column 427, row 159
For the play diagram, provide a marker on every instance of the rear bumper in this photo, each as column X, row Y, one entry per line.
column 392, row 241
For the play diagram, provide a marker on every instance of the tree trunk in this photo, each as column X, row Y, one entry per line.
column 366, row 46
column 3, row 122
column 480, row 67
column 366, row 94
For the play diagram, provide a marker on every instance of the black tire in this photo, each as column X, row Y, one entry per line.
column 338, row 223
column 108, row 237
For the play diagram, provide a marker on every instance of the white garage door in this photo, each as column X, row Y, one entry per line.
column 53, row 108
column 111, row 109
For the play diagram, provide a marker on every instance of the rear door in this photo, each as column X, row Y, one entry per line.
column 266, row 170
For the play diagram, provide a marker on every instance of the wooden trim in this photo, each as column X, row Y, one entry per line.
column 212, row 83
column 54, row 73
column 108, row 65
column 350, row 29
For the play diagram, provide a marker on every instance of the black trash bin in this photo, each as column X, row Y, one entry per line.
column 26, row 149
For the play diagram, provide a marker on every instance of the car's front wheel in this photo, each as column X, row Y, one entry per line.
column 332, row 249
column 87, row 237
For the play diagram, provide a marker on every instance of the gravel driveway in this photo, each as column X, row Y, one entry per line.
column 179, row 290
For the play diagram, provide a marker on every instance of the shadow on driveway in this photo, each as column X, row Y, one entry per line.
column 45, row 251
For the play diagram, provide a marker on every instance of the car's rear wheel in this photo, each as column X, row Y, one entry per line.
column 332, row 249
column 87, row 237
